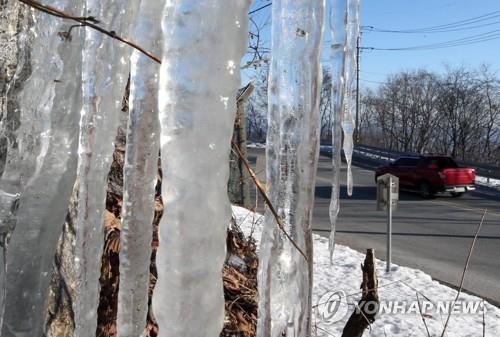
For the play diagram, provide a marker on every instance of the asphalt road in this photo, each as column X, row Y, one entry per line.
column 431, row 235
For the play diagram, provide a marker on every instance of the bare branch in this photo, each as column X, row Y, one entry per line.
column 471, row 249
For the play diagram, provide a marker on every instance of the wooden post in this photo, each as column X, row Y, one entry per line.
column 367, row 308
column 238, row 185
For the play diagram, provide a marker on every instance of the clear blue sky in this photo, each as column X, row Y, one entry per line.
column 409, row 14
column 413, row 14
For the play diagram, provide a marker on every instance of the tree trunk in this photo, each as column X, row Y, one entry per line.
column 367, row 307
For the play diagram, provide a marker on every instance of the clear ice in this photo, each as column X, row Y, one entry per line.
column 104, row 75
column 40, row 169
column 338, row 17
column 352, row 33
column 285, row 276
column 203, row 43
column 139, row 176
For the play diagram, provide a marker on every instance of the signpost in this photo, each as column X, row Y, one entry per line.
column 387, row 199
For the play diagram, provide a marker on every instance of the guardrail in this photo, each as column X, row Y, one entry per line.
column 384, row 156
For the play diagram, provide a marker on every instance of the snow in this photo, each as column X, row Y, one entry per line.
column 488, row 182
column 400, row 285
column 254, row 145
column 291, row 160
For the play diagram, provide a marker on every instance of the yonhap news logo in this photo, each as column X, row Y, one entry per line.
column 334, row 306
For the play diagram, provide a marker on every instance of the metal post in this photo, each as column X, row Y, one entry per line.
column 356, row 128
column 389, row 227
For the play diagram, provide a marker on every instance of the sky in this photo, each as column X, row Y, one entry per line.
column 376, row 65
column 414, row 14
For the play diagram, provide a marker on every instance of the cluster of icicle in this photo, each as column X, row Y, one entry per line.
column 69, row 114
column 344, row 26
column 185, row 109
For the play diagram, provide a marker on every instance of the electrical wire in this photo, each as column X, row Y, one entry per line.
column 472, row 39
column 453, row 26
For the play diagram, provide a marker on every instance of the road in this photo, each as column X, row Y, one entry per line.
column 431, row 235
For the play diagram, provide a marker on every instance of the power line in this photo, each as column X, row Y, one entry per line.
column 259, row 9
column 453, row 26
column 375, row 30
column 472, row 39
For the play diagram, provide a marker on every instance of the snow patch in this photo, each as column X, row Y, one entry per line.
column 401, row 285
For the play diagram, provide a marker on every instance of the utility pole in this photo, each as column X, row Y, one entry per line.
column 356, row 128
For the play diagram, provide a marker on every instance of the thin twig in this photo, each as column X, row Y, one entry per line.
column 90, row 22
column 268, row 202
column 465, row 270
column 422, row 315
column 484, row 322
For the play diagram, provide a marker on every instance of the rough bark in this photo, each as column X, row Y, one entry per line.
column 15, row 68
column 368, row 305
column 238, row 189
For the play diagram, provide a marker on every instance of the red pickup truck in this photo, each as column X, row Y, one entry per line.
column 430, row 175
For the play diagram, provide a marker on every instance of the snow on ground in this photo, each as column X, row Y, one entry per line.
column 256, row 145
column 494, row 183
column 397, row 290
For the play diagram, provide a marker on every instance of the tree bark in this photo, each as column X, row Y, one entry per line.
column 367, row 307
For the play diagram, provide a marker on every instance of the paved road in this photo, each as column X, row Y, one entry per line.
column 431, row 235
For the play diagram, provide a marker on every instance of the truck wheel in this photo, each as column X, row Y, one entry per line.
column 456, row 194
column 426, row 191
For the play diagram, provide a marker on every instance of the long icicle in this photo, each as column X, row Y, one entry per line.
column 338, row 18
column 42, row 171
column 104, row 73
column 203, row 43
column 348, row 126
column 139, row 175
column 285, row 276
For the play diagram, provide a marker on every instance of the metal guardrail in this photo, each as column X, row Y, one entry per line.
column 384, row 156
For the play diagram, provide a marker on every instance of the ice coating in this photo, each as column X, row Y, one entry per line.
column 40, row 170
column 285, row 276
column 203, row 42
column 352, row 33
column 103, row 87
column 139, row 177
column 338, row 16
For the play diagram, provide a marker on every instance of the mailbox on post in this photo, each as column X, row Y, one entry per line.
column 387, row 199
column 387, row 192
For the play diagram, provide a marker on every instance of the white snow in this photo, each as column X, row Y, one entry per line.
column 256, row 145
column 344, row 274
column 488, row 182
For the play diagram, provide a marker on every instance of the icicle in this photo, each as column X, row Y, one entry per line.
column 40, row 171
column 338, row 17
column 139, row 178
column 285, row 277
column 203, row 43
column 105, row 69
column 350, row 85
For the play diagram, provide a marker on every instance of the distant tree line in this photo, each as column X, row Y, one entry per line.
column 454, row 113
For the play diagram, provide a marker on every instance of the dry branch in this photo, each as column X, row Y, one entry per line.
column 466, row 266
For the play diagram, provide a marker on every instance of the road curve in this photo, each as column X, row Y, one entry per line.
column 431, row 235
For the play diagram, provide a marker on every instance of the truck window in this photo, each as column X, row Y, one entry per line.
column 442, row 162
column 406, row 162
